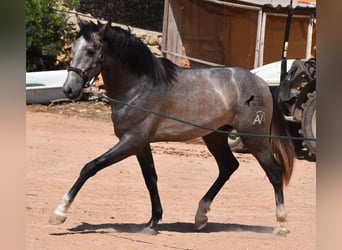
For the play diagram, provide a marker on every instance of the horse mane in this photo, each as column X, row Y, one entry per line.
column 133, row 53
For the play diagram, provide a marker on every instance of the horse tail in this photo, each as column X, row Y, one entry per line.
column 283, row 149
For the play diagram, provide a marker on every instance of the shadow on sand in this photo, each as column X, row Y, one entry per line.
column 179, row 227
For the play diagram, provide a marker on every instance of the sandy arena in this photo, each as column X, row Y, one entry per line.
column 112, row 207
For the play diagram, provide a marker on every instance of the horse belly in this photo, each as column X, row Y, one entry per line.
column 196, row 123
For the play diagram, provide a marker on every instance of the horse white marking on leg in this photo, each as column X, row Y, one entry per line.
column 59, row 214
column 280, row 228
column 201, row 219
column 281, row 213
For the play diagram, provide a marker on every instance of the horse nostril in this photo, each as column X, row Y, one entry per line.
column 72, row 92
column 68, row 91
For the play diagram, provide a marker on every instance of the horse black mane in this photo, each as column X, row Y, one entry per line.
column 133, row 53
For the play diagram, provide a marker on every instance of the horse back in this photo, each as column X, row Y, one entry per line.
column 212, row 97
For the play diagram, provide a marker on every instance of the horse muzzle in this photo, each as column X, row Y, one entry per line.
column 72, row 93
column 73, row 88
column 80, row 78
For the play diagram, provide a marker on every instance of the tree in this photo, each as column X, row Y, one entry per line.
column 48, row 34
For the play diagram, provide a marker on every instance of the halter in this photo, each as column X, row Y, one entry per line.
column 84, row 73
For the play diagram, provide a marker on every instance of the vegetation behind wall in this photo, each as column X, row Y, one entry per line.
column 48, row 34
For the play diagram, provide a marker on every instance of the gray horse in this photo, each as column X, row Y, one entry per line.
column 216, row 97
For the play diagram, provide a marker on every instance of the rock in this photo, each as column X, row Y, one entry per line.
column 155, row 50
column 139, row 34
column 153, row 40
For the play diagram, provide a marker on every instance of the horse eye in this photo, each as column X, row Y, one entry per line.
column 90, row 52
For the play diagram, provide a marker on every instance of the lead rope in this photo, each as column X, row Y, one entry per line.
column 113, row 100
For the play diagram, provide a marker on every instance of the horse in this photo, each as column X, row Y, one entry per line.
column 217, row 97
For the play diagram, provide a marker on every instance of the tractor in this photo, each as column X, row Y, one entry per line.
column 249, row 34
column 295, row 93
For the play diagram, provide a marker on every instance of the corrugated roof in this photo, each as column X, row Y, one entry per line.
column 282, row 3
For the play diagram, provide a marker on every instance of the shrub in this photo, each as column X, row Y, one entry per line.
column 48, row 35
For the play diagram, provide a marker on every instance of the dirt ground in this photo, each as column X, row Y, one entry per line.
column 112, row 207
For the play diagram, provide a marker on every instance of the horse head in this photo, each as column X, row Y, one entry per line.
column 87, row 58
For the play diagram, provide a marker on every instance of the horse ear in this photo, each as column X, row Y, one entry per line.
column 104, row 29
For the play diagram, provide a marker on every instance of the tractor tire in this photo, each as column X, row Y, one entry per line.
column 234, row 140
column 308, row 123
column 236, row 144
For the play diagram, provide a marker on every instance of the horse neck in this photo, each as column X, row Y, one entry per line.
column 118, row 82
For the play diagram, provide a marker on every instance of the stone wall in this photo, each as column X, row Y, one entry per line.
column 152, row 39
column 145, row 14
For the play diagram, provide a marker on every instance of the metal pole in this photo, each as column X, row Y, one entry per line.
column 283, row 70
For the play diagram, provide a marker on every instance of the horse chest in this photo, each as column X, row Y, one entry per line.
column 130, row 120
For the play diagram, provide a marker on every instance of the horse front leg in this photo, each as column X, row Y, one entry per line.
column 150, row 176
column 119, row 152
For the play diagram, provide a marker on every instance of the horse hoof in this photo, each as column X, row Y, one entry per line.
column 201, row 219
column 150, row 231
column 201, row 222
column 57, row 219
column 281, row 231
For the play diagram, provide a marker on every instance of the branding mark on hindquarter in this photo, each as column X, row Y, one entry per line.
column 259, row 117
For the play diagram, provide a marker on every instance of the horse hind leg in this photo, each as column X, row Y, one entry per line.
column 227, row 163
column 260, row 148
